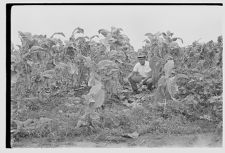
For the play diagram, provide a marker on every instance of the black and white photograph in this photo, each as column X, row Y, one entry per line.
column 115, row 75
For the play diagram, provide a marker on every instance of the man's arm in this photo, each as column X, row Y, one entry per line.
column 148, row 77
column 135, row 70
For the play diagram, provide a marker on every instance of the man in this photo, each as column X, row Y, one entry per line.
column 141, row 73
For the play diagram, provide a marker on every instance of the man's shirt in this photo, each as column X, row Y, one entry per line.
column 143, row 70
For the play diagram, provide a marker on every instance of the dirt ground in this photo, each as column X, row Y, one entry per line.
column 147, row 140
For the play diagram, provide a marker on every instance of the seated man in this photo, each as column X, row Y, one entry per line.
column 141, row 73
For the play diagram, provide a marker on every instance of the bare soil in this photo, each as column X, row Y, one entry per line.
column 147, row 140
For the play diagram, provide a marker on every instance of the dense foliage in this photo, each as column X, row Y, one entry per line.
column 78, row 87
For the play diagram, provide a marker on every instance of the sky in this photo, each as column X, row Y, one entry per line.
column 188, row 22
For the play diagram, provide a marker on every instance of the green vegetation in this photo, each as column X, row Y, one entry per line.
column 77, row 88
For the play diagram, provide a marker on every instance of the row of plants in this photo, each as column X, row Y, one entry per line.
column 58, row 88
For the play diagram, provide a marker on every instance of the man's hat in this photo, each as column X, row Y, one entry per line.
column 141, row 55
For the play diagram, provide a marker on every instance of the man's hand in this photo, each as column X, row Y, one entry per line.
column 144, row 82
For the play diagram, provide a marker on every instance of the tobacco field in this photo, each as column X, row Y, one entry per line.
column 75, row 92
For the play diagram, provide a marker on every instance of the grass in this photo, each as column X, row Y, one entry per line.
column 56, row 122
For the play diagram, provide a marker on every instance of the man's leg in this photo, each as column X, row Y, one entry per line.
column 149, row 84
column 134, row 79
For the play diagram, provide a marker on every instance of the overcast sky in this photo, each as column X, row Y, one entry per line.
column 188, row 22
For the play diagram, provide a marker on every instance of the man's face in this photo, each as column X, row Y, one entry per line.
column 141, row 61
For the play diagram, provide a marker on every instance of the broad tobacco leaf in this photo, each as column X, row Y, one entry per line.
column 115, row 30
column 176, row 38
column 150, row 36
column 104, row 32
column 96, row 93
column 166, row 84
column 15, row 57
column 88, row 62
column 105, row 64
column 73, row 68
column 109, row 72
column 62, row 66
column 116, row 55
column 93, row 78
column 25, row 35
column 14, row 77
column 162, row 81
column 156, row 64
column 168, row 68
column 78, row 30
column 26, row 39
column 92, row 37
column 172, row 86
column 48, row 74
column 160, row 93
column 107, row 42
column 37, row 48
column 153, row 37
column 170, row 34
column 173, row 45
column 58, row 33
